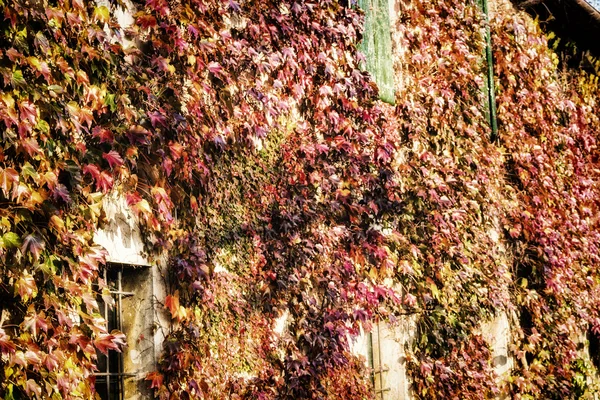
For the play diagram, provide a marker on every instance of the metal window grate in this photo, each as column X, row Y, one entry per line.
column 110, row 376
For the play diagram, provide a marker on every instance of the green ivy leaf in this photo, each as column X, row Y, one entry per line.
column 28, row 170
column 49, row 266
column 56, row 89
column 9, row 392
column 10, row 240
column 17, row 79
column 109, row 100
column 43, row 126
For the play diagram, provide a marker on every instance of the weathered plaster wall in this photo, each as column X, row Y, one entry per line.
column 120, row 236
column 145, row 322
column 497, row 334
column 140, row 355
column 389, row 354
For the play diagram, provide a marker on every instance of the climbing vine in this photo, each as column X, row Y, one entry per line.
column 550, row 128
column 275, row 189
column 452, row 186
column 533, row 193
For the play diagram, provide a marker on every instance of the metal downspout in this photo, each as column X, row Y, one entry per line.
column 491, row 89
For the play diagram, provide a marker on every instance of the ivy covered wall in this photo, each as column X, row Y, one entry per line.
column 263, row 169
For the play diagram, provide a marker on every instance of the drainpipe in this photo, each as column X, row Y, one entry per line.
column 491, row 91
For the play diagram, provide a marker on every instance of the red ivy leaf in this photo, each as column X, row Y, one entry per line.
column 113, row 158
column 176, row 150
column 133, row 199
column 103, row 134
column 214, row 67
column 13, row 54
column 172, row 303
column 157, row 118
column 35, row 322
column 137, row 134
column 108, row 341
column 92, row 170
column 28, row 111
column 156, row 379
column 32, row 388
column 26, row 286
column 6, row 345
column 8, row 176
column 146, row 21
column 31, row 146
column 104, row 182
column 61, row 192
column 45, row 70
column 51, row 362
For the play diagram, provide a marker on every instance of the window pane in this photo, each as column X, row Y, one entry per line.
column 101, row 388
column 109, row 381
column 101, row 363
column 109, row 388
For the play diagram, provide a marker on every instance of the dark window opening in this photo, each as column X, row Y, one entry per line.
column 526, row 322
column 594, row 348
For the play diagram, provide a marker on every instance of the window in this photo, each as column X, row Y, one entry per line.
column 121, row 375
column 377, row 46
column 137, row 311
column 111, row 374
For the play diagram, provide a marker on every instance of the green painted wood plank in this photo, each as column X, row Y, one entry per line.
column 377, row 46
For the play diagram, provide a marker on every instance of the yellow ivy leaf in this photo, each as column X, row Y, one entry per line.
column 102, row 14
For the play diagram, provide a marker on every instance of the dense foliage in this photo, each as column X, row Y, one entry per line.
column 536, row 190
column 251, row 147
column 453, row 194
column 549, row 127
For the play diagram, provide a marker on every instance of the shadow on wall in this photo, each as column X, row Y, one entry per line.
column 572, row 20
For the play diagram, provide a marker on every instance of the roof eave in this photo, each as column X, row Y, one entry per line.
column 591, row 10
